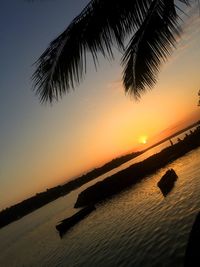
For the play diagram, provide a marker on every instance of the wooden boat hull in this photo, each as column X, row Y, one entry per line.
column 167, row 182
column 67, row 223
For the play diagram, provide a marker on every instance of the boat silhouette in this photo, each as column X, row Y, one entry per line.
column 69, row 222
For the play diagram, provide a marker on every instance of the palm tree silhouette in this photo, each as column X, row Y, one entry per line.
column 151, row 26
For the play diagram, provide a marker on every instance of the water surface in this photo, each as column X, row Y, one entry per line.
column 138, row 227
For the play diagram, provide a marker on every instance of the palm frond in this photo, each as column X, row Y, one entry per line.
column 101, row 24
column 150, row 46
column 187, row 2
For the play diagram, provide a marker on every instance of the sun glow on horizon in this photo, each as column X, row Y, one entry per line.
column 143, row 139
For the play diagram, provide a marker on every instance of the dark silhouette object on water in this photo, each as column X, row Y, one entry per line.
column 192, row 253
column 167, row 181
column 67, row 223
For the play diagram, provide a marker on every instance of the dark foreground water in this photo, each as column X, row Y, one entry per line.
column 136, row 228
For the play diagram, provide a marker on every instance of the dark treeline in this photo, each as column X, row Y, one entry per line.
column 133, row 174
column 21, row 209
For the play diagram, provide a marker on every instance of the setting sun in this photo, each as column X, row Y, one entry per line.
column 143, row 139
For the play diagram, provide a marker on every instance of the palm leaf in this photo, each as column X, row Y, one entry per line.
column 150, row 46
column 99, row 26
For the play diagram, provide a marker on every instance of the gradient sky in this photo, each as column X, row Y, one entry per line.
column 42, row 145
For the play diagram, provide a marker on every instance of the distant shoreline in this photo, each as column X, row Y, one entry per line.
column 133, row 174
column 31, row 204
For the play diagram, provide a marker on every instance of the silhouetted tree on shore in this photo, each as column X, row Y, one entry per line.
column 151, row 26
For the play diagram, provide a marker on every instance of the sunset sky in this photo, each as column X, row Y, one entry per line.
column 45, row 145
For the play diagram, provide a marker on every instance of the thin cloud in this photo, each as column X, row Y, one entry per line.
column 115, row 85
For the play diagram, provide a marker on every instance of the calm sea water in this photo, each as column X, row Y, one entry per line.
column 136, row 228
